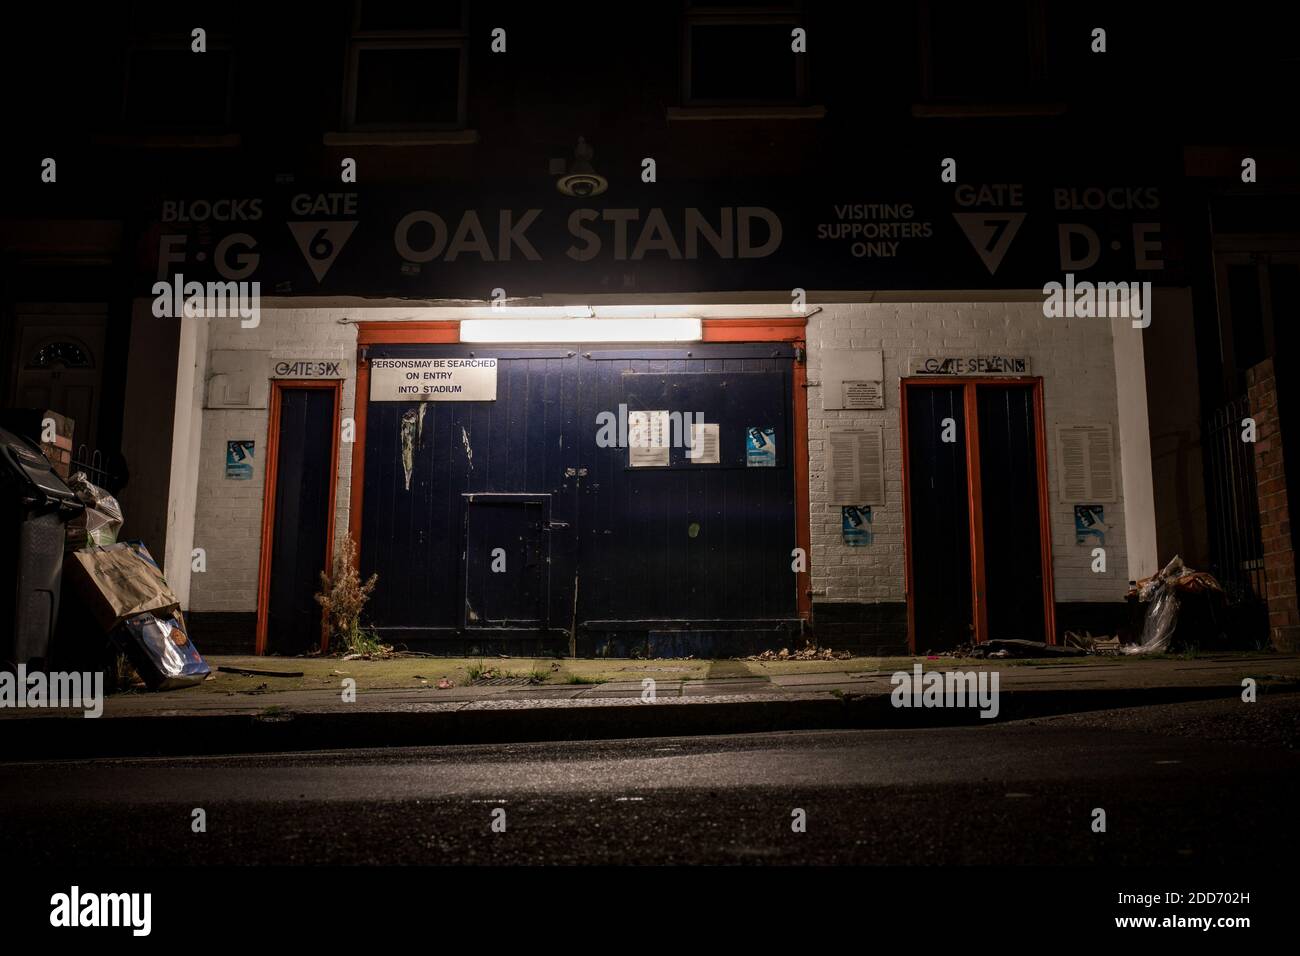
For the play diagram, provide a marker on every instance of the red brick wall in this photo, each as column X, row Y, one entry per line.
column 1274, row 514
column 59, row 451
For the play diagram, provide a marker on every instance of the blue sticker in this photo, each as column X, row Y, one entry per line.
column 239, row 459
column 1090, row 524
column 760, row 447
column 855, row 520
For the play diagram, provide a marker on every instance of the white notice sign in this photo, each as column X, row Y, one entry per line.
column 647, row 439
column 853, row 378
column 705, row 446
column 856, row 466
column 433, row 380
column 1085, row 463
column 863, row 395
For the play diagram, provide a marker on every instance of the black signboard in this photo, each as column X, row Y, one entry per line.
column 742, row 236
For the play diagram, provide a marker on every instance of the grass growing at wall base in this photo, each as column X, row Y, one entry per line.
column 397, row 672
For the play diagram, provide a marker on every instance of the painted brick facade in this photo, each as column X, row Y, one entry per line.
column 1074, row 358
column 1274, row 512
column 228, row 517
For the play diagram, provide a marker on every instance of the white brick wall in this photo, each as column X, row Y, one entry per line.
column 228, row 518
column 1073, row 356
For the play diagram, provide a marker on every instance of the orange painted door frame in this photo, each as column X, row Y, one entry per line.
column 975, row 505
column 447, row 332
column 270, row 477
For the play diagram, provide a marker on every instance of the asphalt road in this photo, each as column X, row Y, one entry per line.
column 1213, row 783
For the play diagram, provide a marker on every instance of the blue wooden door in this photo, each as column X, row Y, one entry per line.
column 677, row 552
column 298, row 535
column 939, row 519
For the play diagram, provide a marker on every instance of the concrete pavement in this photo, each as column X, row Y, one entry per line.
column 1218, row 671
column 192, row 721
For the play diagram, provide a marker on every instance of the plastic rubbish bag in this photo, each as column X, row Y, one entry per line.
column 1163, row 593
column 102, row 519
column 161, row 651
column 1158, row 626
column 90, row 529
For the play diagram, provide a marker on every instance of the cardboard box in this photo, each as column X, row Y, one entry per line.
column 118, row 581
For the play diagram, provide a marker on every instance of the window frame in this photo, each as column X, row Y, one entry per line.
column 704, row 14
column 1036, row 88
column 449, row 38
column 1259, row 253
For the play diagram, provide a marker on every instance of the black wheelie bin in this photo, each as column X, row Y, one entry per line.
column 35, row 507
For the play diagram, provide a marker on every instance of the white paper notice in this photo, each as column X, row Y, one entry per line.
column 647, row 439
column 705, row 445
column 855, row 469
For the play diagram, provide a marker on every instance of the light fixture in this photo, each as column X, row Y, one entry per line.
column 581, row 330
column 582, row 180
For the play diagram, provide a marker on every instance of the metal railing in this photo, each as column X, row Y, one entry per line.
column 1233, row 504
column 93, row 464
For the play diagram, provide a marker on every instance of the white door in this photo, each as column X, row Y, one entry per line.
column 59, row 357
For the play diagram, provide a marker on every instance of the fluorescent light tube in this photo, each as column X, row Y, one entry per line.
column 581, row 330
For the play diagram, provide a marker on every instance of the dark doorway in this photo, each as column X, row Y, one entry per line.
column 940, row 518
column 1012, row 552
column 978, row 549
column 298, row 528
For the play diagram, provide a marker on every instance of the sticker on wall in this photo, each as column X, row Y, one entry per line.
column 855, row 521
column 760, row 447
column 706, row 448
column 647, row 439
column 239, row 459
column 1090, row 524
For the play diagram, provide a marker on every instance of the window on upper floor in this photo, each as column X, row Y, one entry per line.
column 977, row 53
column 739, row 54
column 406, row 66
column 169, row 86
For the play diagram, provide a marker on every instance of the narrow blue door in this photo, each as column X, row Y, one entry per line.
column 302, row 495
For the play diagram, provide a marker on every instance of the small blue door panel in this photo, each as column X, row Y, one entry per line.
column 507, row 560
